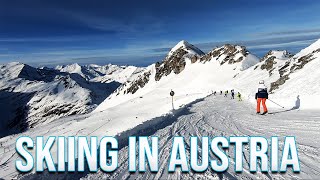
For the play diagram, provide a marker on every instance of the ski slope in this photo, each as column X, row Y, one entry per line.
column 211, row 116
column 219, row 116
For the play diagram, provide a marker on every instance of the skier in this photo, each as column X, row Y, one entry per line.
column 261, row 97
column 215, row 93
column 220, row 92
column 232, row 94
column 226, row 94
column 239, row 96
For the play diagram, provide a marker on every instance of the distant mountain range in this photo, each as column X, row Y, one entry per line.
column 34, row 96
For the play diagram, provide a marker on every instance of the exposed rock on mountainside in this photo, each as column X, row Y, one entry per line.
column 294, row 64
column 268, row 65
column 177, row 58
column 232, row 54
column 175, row 63
column 273, row 59
column 138, row 83
column 40, row 95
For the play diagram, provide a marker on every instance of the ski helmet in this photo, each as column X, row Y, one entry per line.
column 261, row 82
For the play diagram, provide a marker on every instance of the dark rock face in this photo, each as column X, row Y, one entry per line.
column 275, row 85
column 302, row 62
column 176, row 63
column 291, row 67
column 268, row 62
column 140, row 82
column 268, row 65
column 194, row 59
column 230, row 51
column 284, row 68
column 213, row 53
column 266, row 56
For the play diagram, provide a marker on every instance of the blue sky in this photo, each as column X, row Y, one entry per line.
column 140, row 32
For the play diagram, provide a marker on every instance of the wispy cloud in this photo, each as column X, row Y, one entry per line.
column 52, row 39
column 128, row 28
column 285, row 42
column 259, row 46
column 48, row 57
column 290, row 32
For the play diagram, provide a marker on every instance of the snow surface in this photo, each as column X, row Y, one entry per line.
column 121, row 75
column 309, row 49
column 212, row 116
column 219, row 116
column 248, row 62
column 281, row 55
column 123, row 113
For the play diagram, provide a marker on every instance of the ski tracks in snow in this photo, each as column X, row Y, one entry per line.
column 218, row 116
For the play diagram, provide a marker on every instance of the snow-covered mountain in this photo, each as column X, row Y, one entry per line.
column 48, row 94
column 291, row 79
column 186, row 71
column 107, row 73
column 143, row 106
column 186, row 46
column 32, row 96
column 232, row 54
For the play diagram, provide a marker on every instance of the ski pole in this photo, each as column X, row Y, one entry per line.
column 275, row 103
column 172, row 103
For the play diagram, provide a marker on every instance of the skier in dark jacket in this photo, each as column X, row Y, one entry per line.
column 232, row 94
column 261, row 97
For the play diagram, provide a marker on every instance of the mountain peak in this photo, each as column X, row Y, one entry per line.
column 277, row 54
column 183, row 44
column 19, row 70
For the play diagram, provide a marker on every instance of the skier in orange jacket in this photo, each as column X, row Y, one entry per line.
column 261, row 97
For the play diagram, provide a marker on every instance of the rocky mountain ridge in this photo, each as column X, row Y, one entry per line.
column 47, row 94
column 178, row 56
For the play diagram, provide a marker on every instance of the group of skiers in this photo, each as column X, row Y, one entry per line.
column 232, row 94
column 261, row 97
